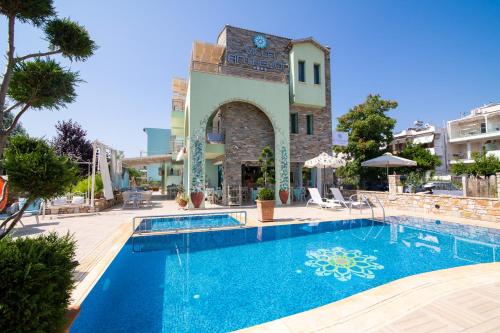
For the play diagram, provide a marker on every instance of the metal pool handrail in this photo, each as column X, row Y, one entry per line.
column 239, row 215
column 365, row 199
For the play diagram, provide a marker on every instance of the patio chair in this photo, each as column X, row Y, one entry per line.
column 339, row 198
column 318, row 200
column 34, row 209
column 210, row 195
column 145, row 199
column 129, row 199
column 13, row 209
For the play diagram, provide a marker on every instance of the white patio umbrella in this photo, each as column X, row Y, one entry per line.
column 388, row 161
column 324, row 160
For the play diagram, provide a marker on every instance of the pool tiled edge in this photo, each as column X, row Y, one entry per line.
column 93, row 265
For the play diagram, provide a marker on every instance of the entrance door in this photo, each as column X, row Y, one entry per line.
column 249, row 175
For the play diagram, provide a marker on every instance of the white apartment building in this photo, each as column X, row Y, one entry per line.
column 428, row 136
column 478, row 130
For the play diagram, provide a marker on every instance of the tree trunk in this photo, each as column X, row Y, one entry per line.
column 8, row 71
column 3, row 144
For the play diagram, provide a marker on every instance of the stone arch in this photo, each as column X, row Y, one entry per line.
column 197, row 135
column 246, row 130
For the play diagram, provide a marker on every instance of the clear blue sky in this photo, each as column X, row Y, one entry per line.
column 436, row 58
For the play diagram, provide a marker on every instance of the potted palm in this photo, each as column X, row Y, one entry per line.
column 265, row 196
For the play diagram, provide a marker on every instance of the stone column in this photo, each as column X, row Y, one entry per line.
column 395, row 185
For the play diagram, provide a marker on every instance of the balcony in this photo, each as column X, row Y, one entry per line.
column 474, row 131
column 215, row 138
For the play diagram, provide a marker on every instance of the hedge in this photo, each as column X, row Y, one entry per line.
column 36, row 280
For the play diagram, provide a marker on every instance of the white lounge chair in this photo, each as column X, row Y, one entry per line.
column 318, row 200
column 339, row 198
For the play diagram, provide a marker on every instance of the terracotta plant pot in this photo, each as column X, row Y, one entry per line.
column 196, row 199
column 283, row 196
column 265, row 209
column 182, row 203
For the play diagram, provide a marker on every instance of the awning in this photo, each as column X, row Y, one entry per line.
column 146, row 160
column 423, row 139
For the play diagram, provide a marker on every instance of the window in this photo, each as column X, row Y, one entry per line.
column 483, row 127
column 294, row 123
column 302, row 71
column 310, row 128
column 316, row 74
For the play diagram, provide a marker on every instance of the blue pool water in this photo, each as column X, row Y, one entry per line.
column 186, row 222
column 220, row 281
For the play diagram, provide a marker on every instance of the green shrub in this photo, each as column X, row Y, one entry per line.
column 36, row 281
column 81, row 186
column 265, row 194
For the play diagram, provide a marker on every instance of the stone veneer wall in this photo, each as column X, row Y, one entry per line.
column 247, row 131
column 484, row 209
column 236, row 39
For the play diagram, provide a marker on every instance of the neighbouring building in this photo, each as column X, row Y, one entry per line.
column 158, row 143
column 246, row 91
column 479, row 130
column 429, row 136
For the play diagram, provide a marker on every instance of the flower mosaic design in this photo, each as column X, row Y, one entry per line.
column 284, row 181
column 342, row 263
column 197, row 148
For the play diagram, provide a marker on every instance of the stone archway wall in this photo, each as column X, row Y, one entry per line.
column 247, row 131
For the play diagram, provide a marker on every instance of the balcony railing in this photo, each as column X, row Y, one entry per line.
column 215, row 138
column 474, row 131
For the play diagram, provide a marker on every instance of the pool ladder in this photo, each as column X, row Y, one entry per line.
column 365, row 199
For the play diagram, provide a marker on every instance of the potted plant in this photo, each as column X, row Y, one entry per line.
column 283, row 193
column 155, row 186
column 265, row 205
column 181, row 198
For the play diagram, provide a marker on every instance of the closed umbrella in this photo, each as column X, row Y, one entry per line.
column 388, row 161
column 324, row 160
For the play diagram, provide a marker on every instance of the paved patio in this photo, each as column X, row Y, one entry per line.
column 100, row 236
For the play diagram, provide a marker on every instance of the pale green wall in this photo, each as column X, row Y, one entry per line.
column 207, row 92
column 211, row 173
column 307, row 93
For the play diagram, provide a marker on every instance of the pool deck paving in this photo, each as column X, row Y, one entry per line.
column 458, row 299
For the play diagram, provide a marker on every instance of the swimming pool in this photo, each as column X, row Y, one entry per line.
column 191, row 221
column 220, row 281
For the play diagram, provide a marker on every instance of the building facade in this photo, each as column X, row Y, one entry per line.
column 158, row 143
column 477, row 131
column 430, row 137
column 247, row 91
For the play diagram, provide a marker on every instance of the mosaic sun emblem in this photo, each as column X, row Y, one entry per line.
column 342, row 263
